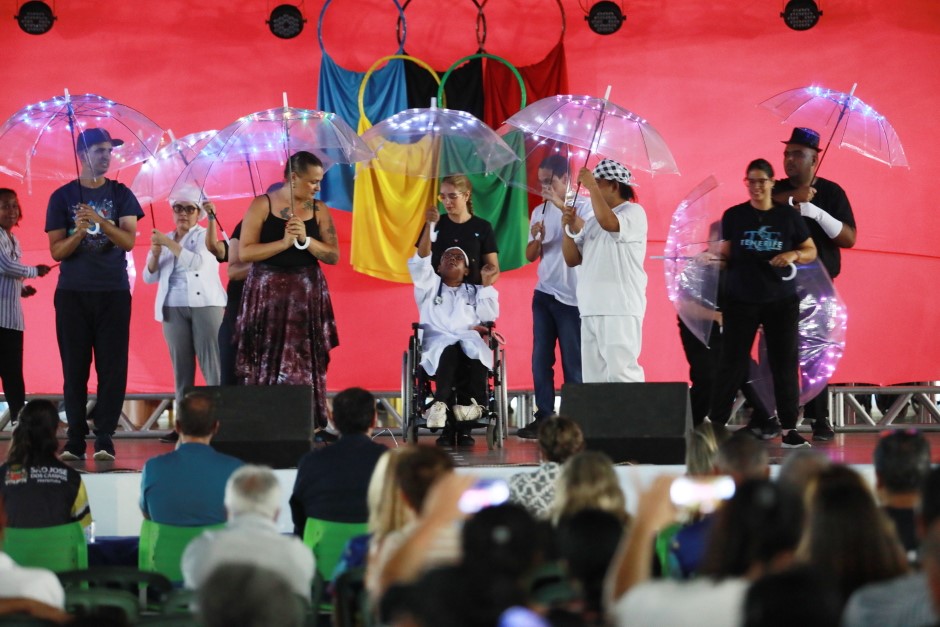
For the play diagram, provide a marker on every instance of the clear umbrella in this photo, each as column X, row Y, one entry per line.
column 584, row 128
column 691, row 271
column 436, row 142
column 849, row 121
column 158, row 175
column 250, row 154
column 822, row 326
column 38, row 141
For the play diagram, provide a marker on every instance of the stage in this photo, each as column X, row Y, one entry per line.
column 114, row 487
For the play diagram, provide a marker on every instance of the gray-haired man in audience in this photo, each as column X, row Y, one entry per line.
column 251, row 536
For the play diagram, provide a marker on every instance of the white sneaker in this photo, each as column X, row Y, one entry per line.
column 436, row 415
column 468, row 413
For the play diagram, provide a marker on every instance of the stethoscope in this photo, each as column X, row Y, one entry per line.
column 471, row 291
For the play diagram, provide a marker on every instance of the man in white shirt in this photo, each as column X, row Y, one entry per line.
column 555, row 316
column 251, row 536
column 609, row 247
column 452, row 314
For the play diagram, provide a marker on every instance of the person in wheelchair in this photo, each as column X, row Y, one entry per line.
column 452, row 315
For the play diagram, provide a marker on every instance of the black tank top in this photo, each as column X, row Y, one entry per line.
column 272, row 230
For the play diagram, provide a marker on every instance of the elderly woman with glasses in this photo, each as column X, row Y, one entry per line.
column 459, row 227
column 761, row 243
column 190, row 298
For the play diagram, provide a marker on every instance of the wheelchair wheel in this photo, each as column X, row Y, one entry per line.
column 502, row 402
column 409, row 427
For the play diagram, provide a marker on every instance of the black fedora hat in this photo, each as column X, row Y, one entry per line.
column 804, row 137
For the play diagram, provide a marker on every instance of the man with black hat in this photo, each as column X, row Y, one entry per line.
column 92, row 223
column 828, row 214
column 609, row 247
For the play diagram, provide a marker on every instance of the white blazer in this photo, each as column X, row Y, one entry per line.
column 202, row 272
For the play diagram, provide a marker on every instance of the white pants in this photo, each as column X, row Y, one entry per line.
column 610, row 347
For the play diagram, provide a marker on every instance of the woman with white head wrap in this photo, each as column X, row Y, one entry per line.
column 190, row 298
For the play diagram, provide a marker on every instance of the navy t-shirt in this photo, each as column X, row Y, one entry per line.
column 756, row 237
column 97, row 265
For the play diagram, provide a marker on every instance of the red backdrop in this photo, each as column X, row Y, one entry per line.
column 695, row 69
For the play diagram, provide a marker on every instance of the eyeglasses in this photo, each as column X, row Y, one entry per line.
column 189, row 209
column 749, row 181
column 450, row 196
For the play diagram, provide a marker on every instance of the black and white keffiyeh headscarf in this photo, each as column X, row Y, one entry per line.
column 610, row 170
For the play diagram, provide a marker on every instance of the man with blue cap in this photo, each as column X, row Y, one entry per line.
column 92, row 224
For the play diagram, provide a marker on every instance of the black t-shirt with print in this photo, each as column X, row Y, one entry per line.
column 756, row 237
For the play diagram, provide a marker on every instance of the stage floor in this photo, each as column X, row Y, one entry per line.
column 849, row 447
column 114, row 487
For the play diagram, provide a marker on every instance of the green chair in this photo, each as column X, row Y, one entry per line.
column 180, row 601
column 102, row 603
column 58, row 548
column 162, row 546
column 152, row 588
column 327, row 540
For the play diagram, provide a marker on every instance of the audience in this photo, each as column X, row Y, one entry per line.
column 559, row 438
column 431, row 539
column 586, row 543
column 904, row 600
column 798, row 596
column 743, row 458
column 36, row 591
column 186, row 487
column 801, row 467
column 755, row 533
column 38, row 489
column 248, row 596
column 588, row 481
column 848, row 538
column 332, row 482
column 251, row 536
column 902, row 461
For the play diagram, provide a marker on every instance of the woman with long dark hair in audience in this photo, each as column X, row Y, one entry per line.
column 848, row 537
column 38, row 489
column 754, row 533
column 286, row 328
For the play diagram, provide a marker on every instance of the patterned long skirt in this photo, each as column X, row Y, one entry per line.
column 285, row 330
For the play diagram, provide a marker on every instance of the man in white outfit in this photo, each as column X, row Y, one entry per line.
column 610, row 247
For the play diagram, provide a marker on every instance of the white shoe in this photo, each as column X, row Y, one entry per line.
column 104, row 456
column 468, row 413
column 436, row 415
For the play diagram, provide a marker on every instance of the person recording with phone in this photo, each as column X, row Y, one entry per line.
column 190, row 298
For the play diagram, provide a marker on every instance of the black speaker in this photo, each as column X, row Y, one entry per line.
column 263, row 424
column 632, row 422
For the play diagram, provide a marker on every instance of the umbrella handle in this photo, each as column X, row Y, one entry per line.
column 570, row 234
column 792, row 274
column 94, row 229
column 303, row 246
column 433, row 233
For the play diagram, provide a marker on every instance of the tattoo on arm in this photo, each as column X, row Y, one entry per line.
column 330, row 235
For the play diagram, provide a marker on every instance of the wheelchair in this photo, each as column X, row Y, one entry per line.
column 417, row 393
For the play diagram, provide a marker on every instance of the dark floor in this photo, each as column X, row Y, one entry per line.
column 849, row 447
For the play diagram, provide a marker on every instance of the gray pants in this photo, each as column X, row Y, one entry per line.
column 191, row 333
